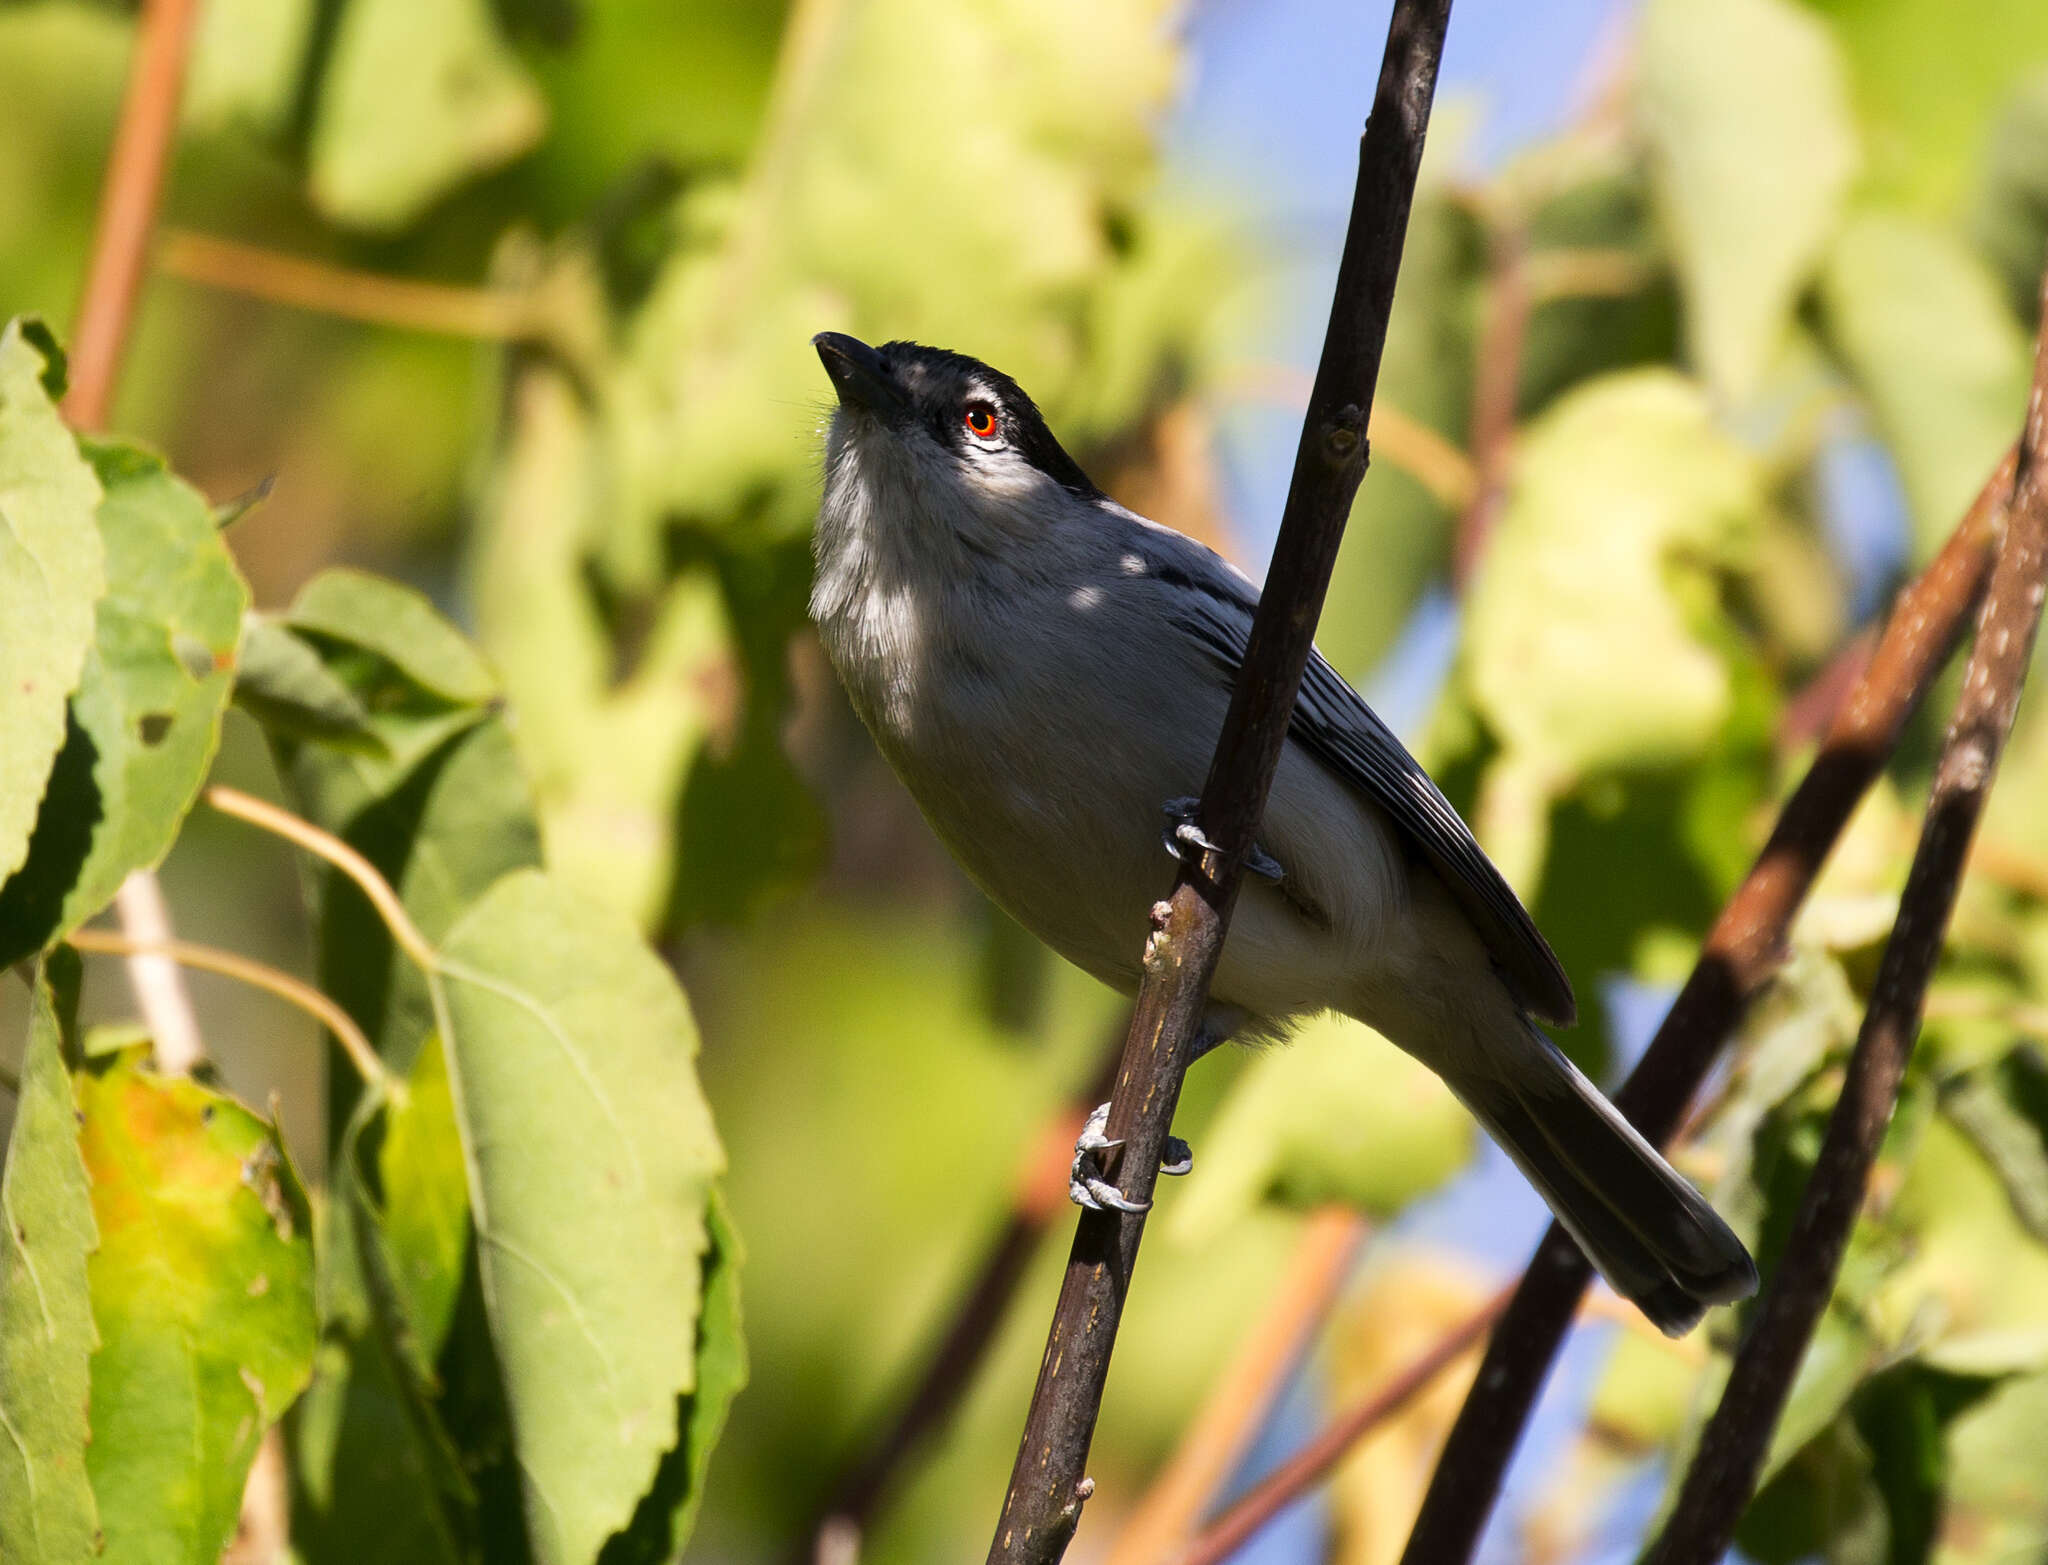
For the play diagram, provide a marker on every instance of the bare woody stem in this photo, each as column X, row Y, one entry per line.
column 1718, row 1485
column 1742, row 951
column 1048, row 1484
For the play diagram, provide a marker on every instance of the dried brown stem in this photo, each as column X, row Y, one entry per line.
column 1741, row 952
column 1048, row 1484
column 1717, row 1487
column 493, row 314
column 1496, row 389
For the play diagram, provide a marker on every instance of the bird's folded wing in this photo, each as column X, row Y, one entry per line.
column 1334, row 724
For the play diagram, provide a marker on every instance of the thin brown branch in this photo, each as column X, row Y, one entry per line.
column 1314, row 1461
column 1718, row 1485
column 1166, row 1516
column 493, row 314
column 1048, row 1484
column 128, row 206
column 1742, row 950
column 258, row 975
column 876, row 1468
column 1496, row 395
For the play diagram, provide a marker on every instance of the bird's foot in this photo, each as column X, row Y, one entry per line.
column 1085, row 1182
column 1184, row 833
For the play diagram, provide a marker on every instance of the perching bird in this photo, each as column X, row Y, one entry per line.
column 1046, row 670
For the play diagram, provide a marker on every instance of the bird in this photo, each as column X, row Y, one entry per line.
column 1047, row 672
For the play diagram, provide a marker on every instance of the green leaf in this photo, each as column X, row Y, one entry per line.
column 282, row 682
column 374, row 1476
column 47, row 1512
column 1995, row 1508
column 246, row 60
column 1337, row 1115
column 442, row 809
column 1626, row 499
column 591, row 1155
column 50, row 576
column 145, row 720
column 419, row 95
column 668, row 1513
column 2010, row 219
column 202, row 1290
column 607, row 756
column 1746, row 107
column 1920, row 323
column 1992, row 1108
column 400, row 626
column 1926, row 90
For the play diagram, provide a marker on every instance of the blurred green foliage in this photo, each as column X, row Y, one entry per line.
column 1785, row 221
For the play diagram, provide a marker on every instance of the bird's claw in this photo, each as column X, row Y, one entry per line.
column 1184, row 831
column 1085, row 1184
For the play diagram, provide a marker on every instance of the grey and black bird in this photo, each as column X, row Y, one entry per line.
column 1046, row 671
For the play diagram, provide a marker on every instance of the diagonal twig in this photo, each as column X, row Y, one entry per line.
column 1048, row 1484
column 1717, row 1487
column 1743, row 949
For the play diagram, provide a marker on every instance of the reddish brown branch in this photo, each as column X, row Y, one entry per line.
column 1496, row 396
column 1244, row 1394
column 1723, row 1474
column 1048, row 1484
column 1741, row 952
column 128, row 206
column 1314, row 1461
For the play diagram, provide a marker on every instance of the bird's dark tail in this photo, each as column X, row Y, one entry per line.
column 1649, row 1233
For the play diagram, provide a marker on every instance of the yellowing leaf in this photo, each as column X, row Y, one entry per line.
column 202, row 1289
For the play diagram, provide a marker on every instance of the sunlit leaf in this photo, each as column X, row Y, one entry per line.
column 400, row 626
column 1747, row 112
column 246, row 59
column 47, row 1512
column 1921, row 323
column 418, row 96
column 1625, row 499
column 283, row 683
column 145, row 720
column 202, row 1290
column 50, row 577
column 571, row 1053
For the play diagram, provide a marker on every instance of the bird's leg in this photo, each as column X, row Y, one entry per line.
column 1184, row 833
column 1086, row 1184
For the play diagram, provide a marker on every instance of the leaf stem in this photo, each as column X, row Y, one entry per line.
column 258, row 975
column 325, row 845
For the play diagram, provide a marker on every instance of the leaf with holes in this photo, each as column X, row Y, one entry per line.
column 202, row 1290
column 145, row 720
column 591, row 1154
column 51, row 574
column 47, row 1513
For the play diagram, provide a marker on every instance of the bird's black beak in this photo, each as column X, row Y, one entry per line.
column 860, row 375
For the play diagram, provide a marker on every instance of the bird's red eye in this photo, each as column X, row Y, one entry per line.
column 980, row 419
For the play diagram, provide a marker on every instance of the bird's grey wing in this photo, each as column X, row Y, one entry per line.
column 1334, row 724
